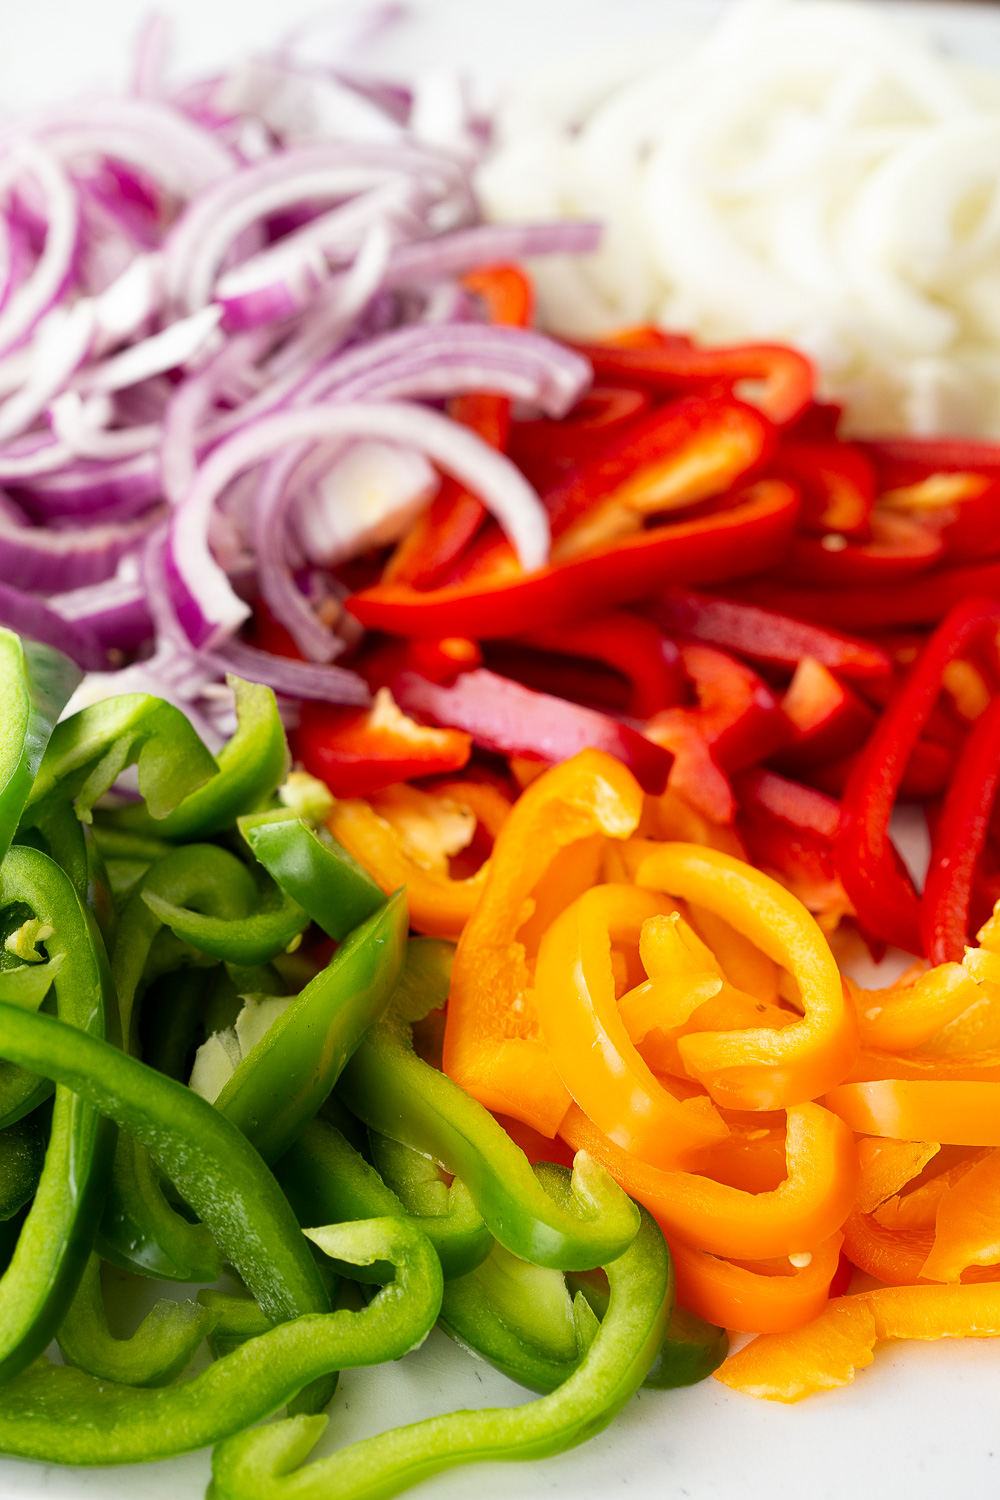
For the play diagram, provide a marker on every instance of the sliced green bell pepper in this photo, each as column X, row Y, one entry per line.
column 261, row 1465
column 394, row 1092
column 36, row 683
column 314, row 869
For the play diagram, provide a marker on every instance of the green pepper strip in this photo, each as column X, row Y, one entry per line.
column 141, row 1231
column 258, row 1465
column 160, row 1348
column 314, row 869
column 254, row 939
column 52, row 1248
column 325, row 1179
column 36, row 683
column 89, row 751
column 212, row 1165
column 394, row 1092
column 60, row 1415
column 22, row 1157
column 283, row 1080
column 691, row 1348
column 243, row 775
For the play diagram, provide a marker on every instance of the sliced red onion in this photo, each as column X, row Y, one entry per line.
column 178, row 343
column 26, row 614
column 85, row 433
column 116, row 612
column 51, row 562
column 144, row 133
column 484, row 244
column 61, row 343
column 130, row 300
column 206, row 605
column 296, row 679
column 119, row 489
column 41, row 289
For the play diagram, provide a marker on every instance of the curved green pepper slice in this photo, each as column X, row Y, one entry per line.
column 394, row 1092
column 283, row 1080
column 159, row 1349
column 60, row 1415
column 241, row 777
column 52, row 1247
column 314, row 869
column 260, row 1465
column 326, row 1179
column 36, row 683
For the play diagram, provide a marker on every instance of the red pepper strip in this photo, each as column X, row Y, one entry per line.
column 545, row 448
column 960, row 840
column 837, row 482
column 736, row 723
column 634, row 647
column 869, row 866
column 443, row 660
column 828, row 719
column 928, row 772
column 357, row 751
column 907, row 460
column 454, row 516
column 917, row 601
column 788, row 376
column 752, row 533
column 673, row 457
column 504, row 716
column 899, row 548
column 764, row 635
column 791, row 829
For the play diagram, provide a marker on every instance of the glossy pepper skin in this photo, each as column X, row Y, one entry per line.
column 35, row 685
column 492, row 1047
column 396, row 1093
column 60, row 1415
column 867, row 861
column 283, row 1080
column 312, row 868
column 257, row 1465
column 52, row 1247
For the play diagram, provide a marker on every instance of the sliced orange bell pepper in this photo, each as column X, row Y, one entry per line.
column 825, row 1354
column 771, row 1298
column 954, row 1112
column 492, row 1046
column 917, row 1208
column 886, row 1166
column 811, row 1204
column 384, row 835
column 967, row 1230
column 763, row 1069
column 899, row 1018
column 587, row 1039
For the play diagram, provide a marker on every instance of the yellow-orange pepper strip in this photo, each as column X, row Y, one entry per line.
column 826, row 1353
column 897, row 1019
column 967, row 1228
column 439, row 906
column 754, row 1301
column 587, row 1039
column 954, row 1112
column 491, row 1045
column 759, row 1068
column 888, row 1165
column 812, row 1202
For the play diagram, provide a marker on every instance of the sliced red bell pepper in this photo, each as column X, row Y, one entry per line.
column 546, row 449
column 494, row 597
column 868, row 863
column 899, row 548
column 455, row 515
column 443, row 660
column 837, row 482
column 735, row 723
column 907, row 460
column 773, row 639
column 673, row 457
column 791, row 828
column 357, row 751
column 634, row 647
column 959, row 841
column 917, row 601
column 927, row 773
column 785, row 375
column 504, row 716
column 828, row 719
